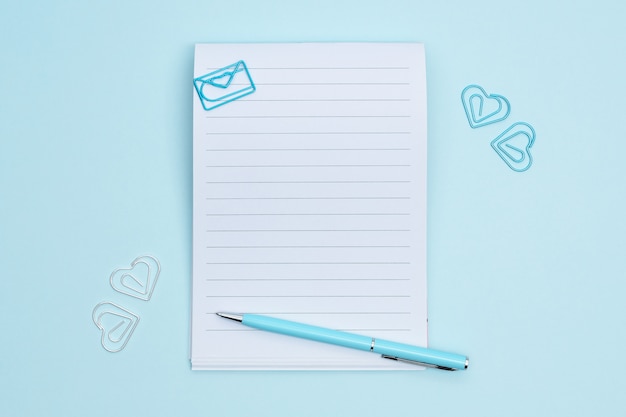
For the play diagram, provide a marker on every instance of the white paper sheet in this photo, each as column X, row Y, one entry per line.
column 309, row 188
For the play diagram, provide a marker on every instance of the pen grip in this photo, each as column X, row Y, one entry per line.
column 306, row 331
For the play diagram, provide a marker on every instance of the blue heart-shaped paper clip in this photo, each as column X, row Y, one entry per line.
column 507, row 146
column 483, row 109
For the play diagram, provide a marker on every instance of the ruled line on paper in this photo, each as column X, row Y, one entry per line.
column 310, row 230
column 306, row 296
column 310, row 182
column 321, row 68
column 333, row 84
column 311, row 116
column 346, row 329
column 327, row 100
column 327, row 313
column 306, row 150
column 308, row 198
column 307, row 133
column 307, row 214
column 307, row 279
column 310, row 247
column 312, row 166
column 308, row 263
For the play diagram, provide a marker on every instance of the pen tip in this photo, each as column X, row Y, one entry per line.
column 236, row 317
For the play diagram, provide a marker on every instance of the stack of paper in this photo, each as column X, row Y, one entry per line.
column 309, row 188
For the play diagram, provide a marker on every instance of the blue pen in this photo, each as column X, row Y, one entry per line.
column 388, row 350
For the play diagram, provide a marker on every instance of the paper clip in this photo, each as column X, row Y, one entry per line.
column 224, row 85
column 513, row 146
column 483, row 109
column 116, row 324
column 139, row 280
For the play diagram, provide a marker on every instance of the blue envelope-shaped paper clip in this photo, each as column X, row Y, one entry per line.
column 224, row 85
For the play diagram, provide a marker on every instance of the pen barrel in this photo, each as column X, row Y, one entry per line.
column 306, row 331
column 392, row 350
column 426, row 356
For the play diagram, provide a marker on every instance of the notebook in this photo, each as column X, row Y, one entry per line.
column 309, row 200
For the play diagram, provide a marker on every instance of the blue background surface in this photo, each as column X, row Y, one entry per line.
column 526, row 271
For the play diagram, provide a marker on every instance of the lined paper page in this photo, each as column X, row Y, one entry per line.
column 310, row 203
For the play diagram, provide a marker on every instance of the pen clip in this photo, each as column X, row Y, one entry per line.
column 427, row 365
